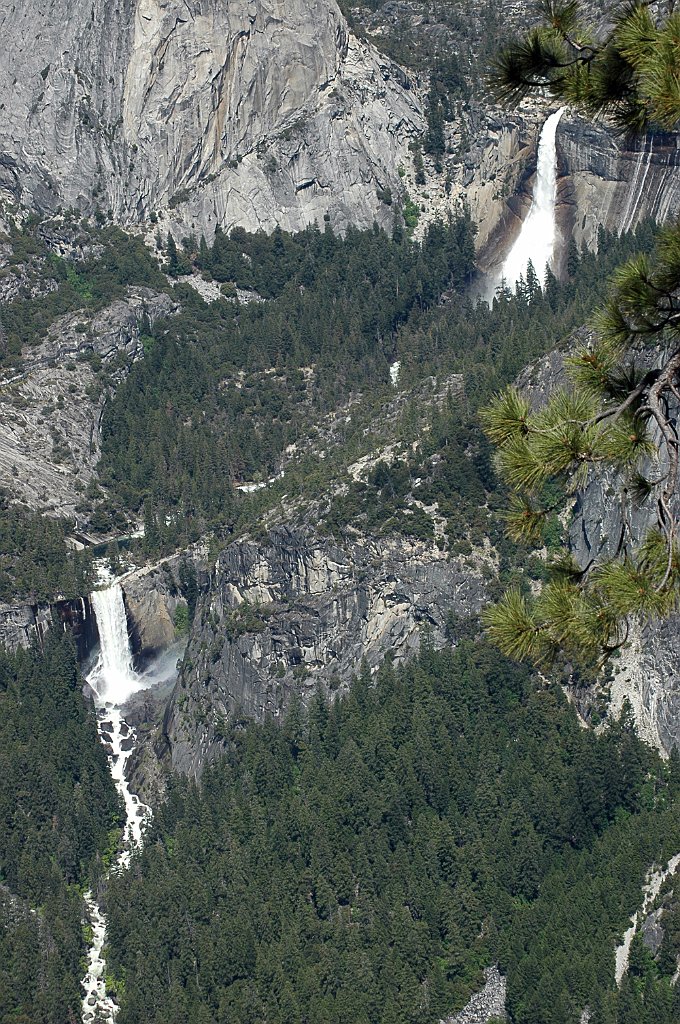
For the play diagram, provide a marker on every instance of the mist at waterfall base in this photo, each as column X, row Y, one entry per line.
column 538, row 235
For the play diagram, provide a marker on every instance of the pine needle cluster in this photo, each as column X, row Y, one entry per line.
column 618, row 417
column 631, row 74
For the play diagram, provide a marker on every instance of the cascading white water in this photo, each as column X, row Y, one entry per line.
column 113, row 680
column 536, row 240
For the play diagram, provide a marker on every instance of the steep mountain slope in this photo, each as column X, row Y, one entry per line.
column 260, row 113
column 254, row 113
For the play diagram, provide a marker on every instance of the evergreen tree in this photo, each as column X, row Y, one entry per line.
column 631, row 73
column 619, row 413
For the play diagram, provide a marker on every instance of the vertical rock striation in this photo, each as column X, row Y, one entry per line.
column 615, row 183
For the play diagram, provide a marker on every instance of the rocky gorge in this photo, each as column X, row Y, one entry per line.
column 171, row 120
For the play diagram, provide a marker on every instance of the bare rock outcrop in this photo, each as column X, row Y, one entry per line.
column 250, row 113
column 486, row 1005
column 23, row 623
column 297, row 611
column 51, row 411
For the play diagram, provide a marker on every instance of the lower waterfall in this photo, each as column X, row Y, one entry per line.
column 113, row 681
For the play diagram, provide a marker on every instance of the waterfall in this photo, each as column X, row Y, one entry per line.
column 536, row 240
column 113, row 680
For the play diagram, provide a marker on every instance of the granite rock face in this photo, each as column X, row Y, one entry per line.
column 152, row 596
column 20, row 623
column 23, row 623
column 252, row 112
column 51, row 411
column 602, row 180
column 299, row 611
column 615, row 183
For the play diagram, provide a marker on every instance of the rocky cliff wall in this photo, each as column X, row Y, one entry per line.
column 297, row 611
column 22, row 624
column 51, row 412
column 152, row 597
column 615, row 183
column 252, row 112
column 602, row 180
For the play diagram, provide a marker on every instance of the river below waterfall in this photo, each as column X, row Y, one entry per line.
column 113, row 681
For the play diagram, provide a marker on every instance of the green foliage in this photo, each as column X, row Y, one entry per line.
column 224, row 388
column 35, row 563
column 618, row 416
column 58, row 805
column 181, row 620
column 410, row 213
column 88, row 285
column 435, row 140
column 452, row 469
column 630, row 74
column 245, row 618
column 362, row 861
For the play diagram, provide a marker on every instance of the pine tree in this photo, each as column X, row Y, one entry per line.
column 631, row 74
column 173, row 265
column 618, row 415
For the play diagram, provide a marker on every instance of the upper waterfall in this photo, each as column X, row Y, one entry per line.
column 536, row 240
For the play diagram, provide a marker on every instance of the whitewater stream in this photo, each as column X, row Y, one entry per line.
column 113, row 680
column 538, row 234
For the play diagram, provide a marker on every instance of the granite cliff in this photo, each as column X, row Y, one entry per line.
column 253, row 113
column 299, row 611
column 646, row 672
column 188, row 115
column 51, row 411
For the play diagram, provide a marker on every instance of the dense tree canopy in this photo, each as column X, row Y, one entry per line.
column 35, row 563
column 59, row 814
column 364, row 860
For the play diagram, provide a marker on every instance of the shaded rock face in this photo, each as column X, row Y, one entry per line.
column 601, row 181
column 21, row 624
column 652, row 931
column 300, row 611
column 51, row 412
column 152, row 597
column 151, row 617
column 614, row 183
column 252, row 112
